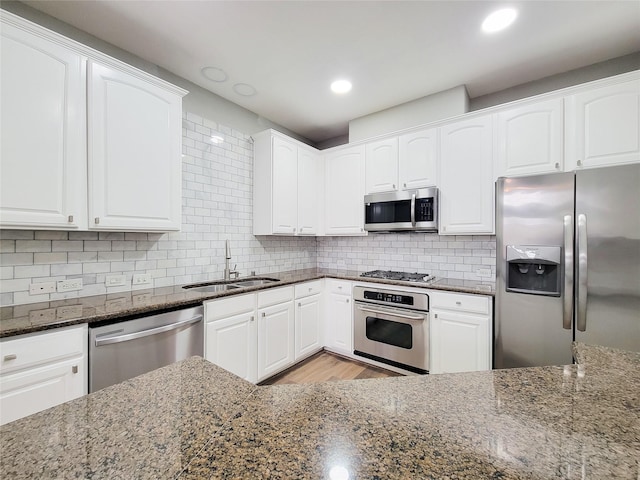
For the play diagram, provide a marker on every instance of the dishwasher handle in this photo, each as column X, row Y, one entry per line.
column 145, row 333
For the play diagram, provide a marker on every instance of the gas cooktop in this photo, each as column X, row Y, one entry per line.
column 401, row 276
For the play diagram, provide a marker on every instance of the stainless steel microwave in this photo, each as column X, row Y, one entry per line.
column 408, row 210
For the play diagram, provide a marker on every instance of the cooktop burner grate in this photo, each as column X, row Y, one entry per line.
column 401, row 276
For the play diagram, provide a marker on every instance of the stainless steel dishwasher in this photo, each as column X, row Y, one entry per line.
column 120, row 351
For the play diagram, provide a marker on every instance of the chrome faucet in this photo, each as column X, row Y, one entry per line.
column 227, row 256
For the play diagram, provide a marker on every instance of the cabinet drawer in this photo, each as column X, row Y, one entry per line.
column 228, row 307
column 308, row 288
column 274, row 296
column 461, row 303
column 19, row 353
column 338, row 286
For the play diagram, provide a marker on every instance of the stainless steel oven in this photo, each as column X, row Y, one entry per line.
column 392, row 327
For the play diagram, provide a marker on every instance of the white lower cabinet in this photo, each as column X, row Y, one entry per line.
column 338, row 316
column 276, row 330
column 231, row 335
column 40, row 371
column 461, row 335
column 308, row 328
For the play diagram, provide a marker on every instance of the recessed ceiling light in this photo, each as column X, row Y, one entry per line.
column 341, row 86
column 215, row 74
column 244, row 89
column 499, row 20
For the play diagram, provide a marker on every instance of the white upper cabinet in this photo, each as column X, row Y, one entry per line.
column 402, row 163
column 344, row 192
column 381, row 169
column 310, row 191
column 134, row 152
column 418, row 159
column 287, row 186
column 87, row 141
column 43, row 181
column 603, row 126
column 530, row 139
column 466, row 177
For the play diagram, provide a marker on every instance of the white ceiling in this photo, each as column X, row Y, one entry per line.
column 393, row 51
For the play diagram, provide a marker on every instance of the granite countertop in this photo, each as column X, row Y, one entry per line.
column 193, row 420
column 34, row 317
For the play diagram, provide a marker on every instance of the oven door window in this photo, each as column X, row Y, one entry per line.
column 389, row 332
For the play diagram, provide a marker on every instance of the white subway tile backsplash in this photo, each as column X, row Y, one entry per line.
column 217, row 203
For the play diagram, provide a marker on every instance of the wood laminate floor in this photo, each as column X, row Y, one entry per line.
column 327, row 367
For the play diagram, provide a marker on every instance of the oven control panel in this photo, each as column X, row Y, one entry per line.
column 388, row 297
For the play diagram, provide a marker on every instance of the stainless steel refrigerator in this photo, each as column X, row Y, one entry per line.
column 568, row 264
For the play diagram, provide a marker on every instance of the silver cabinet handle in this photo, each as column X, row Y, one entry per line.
column 299, row 304
column 582, row 272
column 404, row 185
column 347, row 300
column 557, row 166
column 252, row 318
column 96, row 220
column 11, row 356
column 459, row 303
column 567, row 299
column 394, row 186
column 264, row 314
column 413, row 209
column 393, row 314
column 579, row 163
column 70, row 218
column 74, row 369
column 106, row 340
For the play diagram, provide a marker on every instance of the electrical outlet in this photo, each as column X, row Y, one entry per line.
column 142, row 279
column 115, row 305
column 484, row 272
column 70, row 285
column 141, row 299
column 40, row 288
column 115, row 280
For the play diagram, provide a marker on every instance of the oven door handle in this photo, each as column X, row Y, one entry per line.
column 148, row 332
column 392, row 313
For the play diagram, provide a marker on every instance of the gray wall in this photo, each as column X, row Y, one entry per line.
column 431, row 108
column 615, row 66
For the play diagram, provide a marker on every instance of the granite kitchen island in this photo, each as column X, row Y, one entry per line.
column 193, row 420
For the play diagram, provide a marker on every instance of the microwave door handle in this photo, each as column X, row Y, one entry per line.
column 413, row 209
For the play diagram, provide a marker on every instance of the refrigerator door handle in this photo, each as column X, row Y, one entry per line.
column 582, row 273
column 567, row 299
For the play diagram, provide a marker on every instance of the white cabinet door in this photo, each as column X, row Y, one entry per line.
column 381, row 166
column 418, row 159
column 310, row 186
column 285, row 186
column 466, row 177
column 42, row 141
column 134, row 145
column 308, row 326
column 603, row 126
column 339, row 323
column 276, row 342
column 33, row 390
column 530, row 139
column 232, row 344
column 459, row 342
column 344, row 192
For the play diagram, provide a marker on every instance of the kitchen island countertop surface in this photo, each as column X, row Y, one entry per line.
column 193, row 420
column 35, row 317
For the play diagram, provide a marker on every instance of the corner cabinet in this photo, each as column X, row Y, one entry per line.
column 344, row 191
column 461, row 334
column 108, row 149
column 134, row 147
column 466, row 177
column 40, row 371
column 287, row 186
column 603, row 126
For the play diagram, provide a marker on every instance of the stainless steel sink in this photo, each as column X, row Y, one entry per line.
column 214, row 288
column 223, row 286
column 254, row 282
